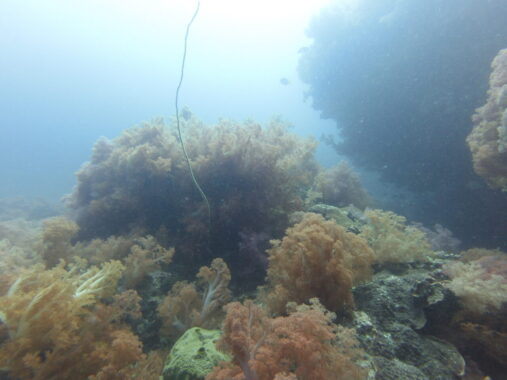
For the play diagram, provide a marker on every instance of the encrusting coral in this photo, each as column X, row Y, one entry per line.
column 299, row 346
column 316, row 258
column 488, row 139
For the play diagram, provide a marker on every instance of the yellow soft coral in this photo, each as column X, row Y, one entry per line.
column 392, row 240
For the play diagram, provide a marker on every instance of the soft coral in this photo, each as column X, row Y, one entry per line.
column 298, row 346
column 58, row 328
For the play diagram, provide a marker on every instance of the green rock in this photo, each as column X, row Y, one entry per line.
column 193, row 355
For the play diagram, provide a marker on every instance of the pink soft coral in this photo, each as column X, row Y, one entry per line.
column 299, row 346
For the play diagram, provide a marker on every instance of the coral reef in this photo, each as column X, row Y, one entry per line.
column 488, row 139
column 299, row 346
column 316, row 258
column 84, row 299
column 392, row 240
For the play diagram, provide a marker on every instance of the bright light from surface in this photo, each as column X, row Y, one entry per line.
column 75, row 70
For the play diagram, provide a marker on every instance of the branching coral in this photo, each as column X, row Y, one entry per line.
column 488, row 139
column 299, row 346
column 58, row 327
column 340, row 186
column 185, row 306
column 392, row 240
column 316, row 258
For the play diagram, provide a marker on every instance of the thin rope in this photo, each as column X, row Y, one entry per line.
column 178, row 116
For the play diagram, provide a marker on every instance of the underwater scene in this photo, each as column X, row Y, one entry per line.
column 253, row 190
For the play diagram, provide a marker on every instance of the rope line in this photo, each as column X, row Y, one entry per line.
column 201, row 192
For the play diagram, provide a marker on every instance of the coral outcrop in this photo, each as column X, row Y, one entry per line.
column 488, row 139
column 253, row 177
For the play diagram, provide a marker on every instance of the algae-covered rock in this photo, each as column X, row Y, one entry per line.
column 193, row 355
column 394, row 316
column 349, row 217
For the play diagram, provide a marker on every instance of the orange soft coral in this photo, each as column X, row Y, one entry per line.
column 58, row 328
column 299, row 346
column 316, row 258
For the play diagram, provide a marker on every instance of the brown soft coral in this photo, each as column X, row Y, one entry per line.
column 488, row 139
column 316, row 258
column 58, row 328
column 299, row 346
column 253, row 177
